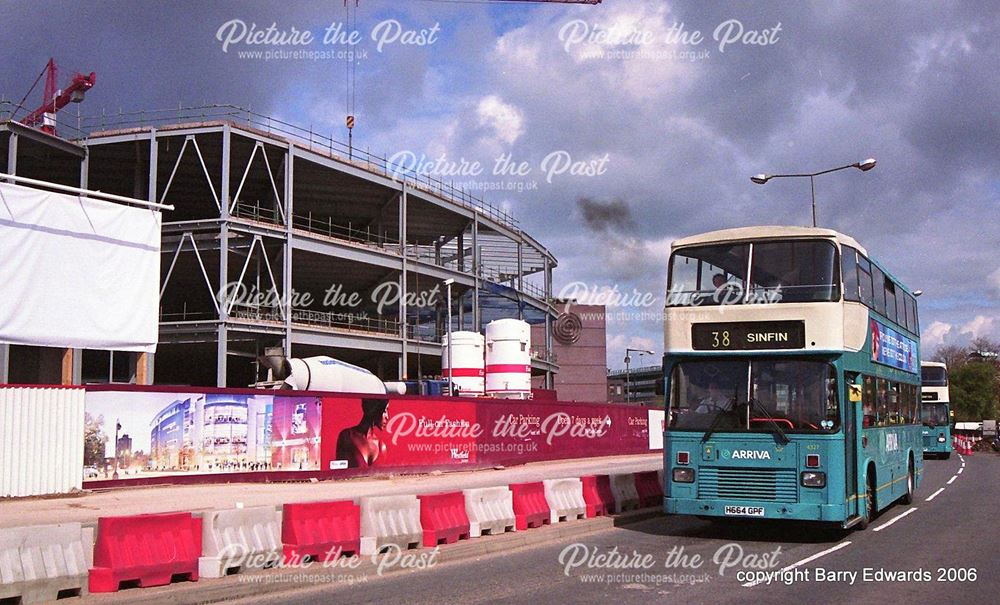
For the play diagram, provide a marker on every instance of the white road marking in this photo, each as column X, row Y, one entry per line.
column 952, row 480
column 802, row 562
column 960, row 471
column 894, row 519
column 932, row 496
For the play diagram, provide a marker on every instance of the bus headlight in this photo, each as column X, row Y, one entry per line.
column 941, row 438
column 813, row 479
column 684, row 475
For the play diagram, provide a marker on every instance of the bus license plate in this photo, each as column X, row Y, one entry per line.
column 745, row 511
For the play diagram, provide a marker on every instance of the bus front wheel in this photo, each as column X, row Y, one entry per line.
column 908, row 496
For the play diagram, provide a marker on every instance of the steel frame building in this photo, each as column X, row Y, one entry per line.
column 284, row 211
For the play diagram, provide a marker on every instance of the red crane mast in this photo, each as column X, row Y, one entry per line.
column 56, row 99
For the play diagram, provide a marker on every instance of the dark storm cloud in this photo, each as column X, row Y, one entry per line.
column 602, row 217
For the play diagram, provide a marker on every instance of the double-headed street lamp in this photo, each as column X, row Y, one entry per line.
column 628, row 375
column 863, row 166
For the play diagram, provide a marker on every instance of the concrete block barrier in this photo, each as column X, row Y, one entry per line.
column 597, row 495
column 44, row 562
column 443, row 518
column 531, row 510
column 390, row 521
column 238, row 539
column 320, row 530
column 146, row 550
column 649, row 489
column 623, row 487
column 565, row 499
column 490, row 510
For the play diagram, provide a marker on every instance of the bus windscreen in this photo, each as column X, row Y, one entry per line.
column 754, row 395
column 780, row 271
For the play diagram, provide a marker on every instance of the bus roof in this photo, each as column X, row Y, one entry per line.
column 932, row 364
column 767, row 232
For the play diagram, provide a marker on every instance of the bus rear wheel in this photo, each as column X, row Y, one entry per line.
column 908, row 496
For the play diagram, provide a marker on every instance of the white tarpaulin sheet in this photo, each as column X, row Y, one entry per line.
column 77, row 272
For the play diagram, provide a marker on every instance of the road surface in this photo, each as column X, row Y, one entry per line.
column 941, row 549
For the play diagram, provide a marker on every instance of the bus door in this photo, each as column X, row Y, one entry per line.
column 853, row 446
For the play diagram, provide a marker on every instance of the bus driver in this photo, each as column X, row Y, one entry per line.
column 715, row 401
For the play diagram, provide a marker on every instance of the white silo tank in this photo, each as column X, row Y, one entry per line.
column 470, row 374
column 508, row 359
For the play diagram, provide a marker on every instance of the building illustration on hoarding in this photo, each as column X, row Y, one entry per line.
column 233, row 433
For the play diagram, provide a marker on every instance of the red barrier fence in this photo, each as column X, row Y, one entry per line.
column 647, row 485
column 443, row 518
column 150, row 550
column 320, row 530
column 598, row 495
column 531, row 510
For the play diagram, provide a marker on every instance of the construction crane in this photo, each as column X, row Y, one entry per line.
column 56, row 99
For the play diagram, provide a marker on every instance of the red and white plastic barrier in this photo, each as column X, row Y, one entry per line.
column 155, row 549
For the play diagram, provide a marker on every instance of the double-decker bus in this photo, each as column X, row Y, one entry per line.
column 935, row 409
column 791, row 373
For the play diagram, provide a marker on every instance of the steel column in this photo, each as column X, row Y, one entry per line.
column 12, row 154
column 224, row 200
column 520, row 280
column 287, row 256
column 223, row 343
column 549, row 378
column 154, row 149
column 404, row 348
column 477, row 319
column 4, row 363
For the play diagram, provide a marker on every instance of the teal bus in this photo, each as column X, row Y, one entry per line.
column 792, row 379
column 935, row 409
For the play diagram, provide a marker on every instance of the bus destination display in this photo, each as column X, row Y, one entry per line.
column 748, row 335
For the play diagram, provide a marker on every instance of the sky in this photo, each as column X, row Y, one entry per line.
column 611, row 130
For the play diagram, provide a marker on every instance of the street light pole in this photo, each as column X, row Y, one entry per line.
column 628, row 378
column 863, row 166
column 812, row 187
column 118, row 427
column 628, row 374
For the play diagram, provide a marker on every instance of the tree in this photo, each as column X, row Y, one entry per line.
column 983, row 344
column 974, row 391
column 952, row 356
column 94, row 440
